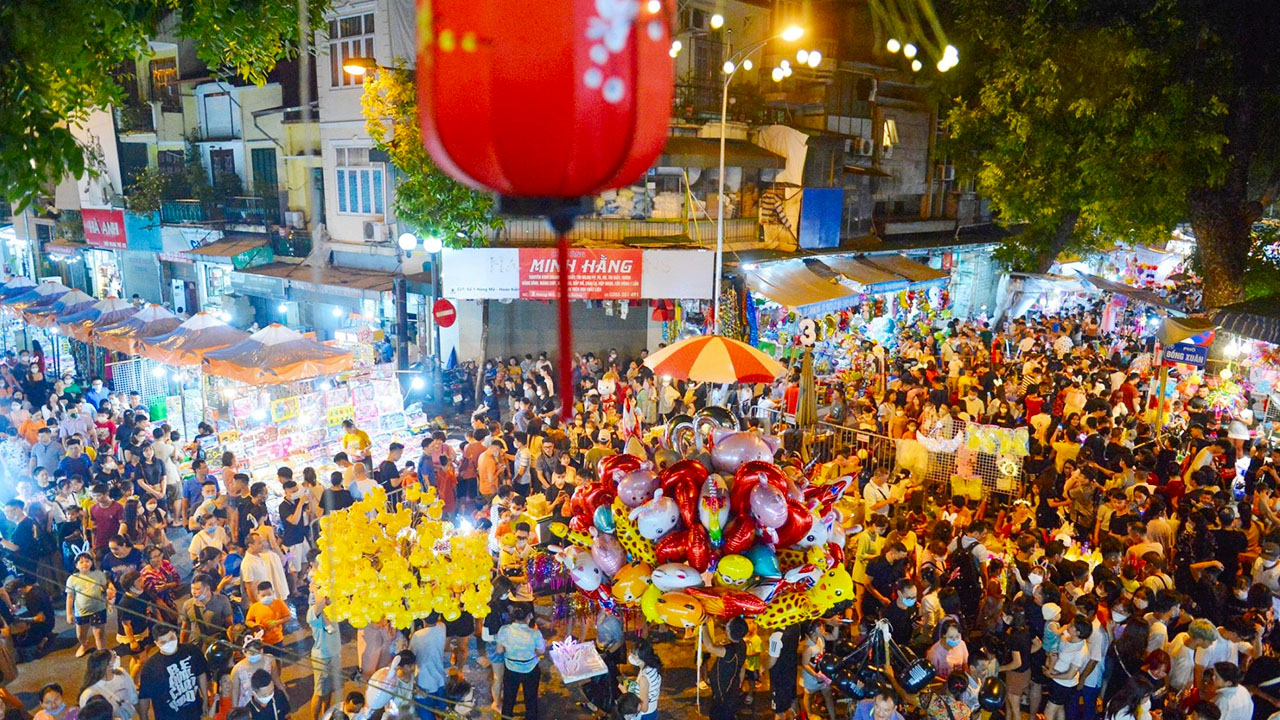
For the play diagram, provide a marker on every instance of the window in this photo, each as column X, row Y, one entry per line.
column 171, row 162
column 359, row 182
column 349, row 37
column 164, row 84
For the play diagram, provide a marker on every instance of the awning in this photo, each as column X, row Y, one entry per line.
column 1139, row 294
column 1175, row 330
column 868, row 171
column 696, row 152
column 920, row 275
column 869, row 277
column 793, row 285
column 59, row 247
column 328, row 279
column 1258, row 319
column 229, row 250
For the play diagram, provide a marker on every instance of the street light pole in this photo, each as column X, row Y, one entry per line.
column 732, row 65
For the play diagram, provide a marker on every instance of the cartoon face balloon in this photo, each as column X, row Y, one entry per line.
column 734, row 571
column 675, row 576
column 818, row 534
column 656, row 518
column 713, row 506
column 732, row 449
column 607, row 553
column 768, row 505
column 679, row 609
column 630, row 582
column 586, row 574
column 636, row 488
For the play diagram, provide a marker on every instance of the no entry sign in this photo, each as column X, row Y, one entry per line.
column 444, row 312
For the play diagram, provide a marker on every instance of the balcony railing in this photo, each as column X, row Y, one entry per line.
column 135, row 118
column 698, row 102
column 297, row 244
column 252, row 211
column 702, row 232
column 188, row 212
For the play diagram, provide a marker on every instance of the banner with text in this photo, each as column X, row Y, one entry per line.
column 594, row 274
column 104, row 228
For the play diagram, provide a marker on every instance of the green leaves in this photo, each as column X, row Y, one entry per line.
column 429, row 201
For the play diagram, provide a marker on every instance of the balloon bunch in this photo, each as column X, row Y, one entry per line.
column 684, row 544
column 377, row 564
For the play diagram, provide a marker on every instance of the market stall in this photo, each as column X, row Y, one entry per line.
column 46, row 316
column 103, row 313
column 126, row 336
column 276, row 354
column 186, row 344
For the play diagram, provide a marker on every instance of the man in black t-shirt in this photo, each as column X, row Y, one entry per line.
column 726, row 689
column 903, row 613
column 33, row 627
column 388, row 474
column 295, row 518
column 784, row 661
column 885, row 572
column 23, row 543
column 253, row 514
column 174, row 682
column 335, row 497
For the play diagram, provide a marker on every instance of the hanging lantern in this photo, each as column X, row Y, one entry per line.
column 546, row 104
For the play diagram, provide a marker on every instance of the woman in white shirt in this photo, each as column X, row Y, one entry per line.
column 648, row 684
column 104, row 676
column 1232, row 698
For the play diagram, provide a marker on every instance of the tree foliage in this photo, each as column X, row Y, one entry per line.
column 1130, row 115
column 428, row 200
column 58, row 60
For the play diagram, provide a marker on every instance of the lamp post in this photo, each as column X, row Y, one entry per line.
column 740, row 59
column 433, row 246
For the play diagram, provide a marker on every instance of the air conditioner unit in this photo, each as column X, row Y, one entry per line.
column 179, row 289
column 866, row 148
column 293, row 219
column 376, row 232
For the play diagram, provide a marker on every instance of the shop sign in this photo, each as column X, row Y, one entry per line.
column 948, row 260
column 257, row 285
column 1186, row 354
column 594, row 274
column 104, row 228
column 337, row 415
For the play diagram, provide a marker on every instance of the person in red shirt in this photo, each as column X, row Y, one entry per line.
column 107, row 515
column 1034, row 403
column 791, row 397
column 1129, row 393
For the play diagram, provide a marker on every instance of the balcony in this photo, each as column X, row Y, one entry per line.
column 521, row 231
column 219, row 134
column 252, row 211
column 135, row 118
column 699, row 102
column 296, row 244
column 188, row 212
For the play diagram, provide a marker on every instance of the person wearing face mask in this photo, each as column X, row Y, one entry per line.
column 206, row 613
column 1266, row 571
column 53, row 706
column 950, row 651
column 174, row 682
column 903, row 614
column 1015, row 658
column 105, row 677
column 211, row 535
column 269, row 613
column 243, row 672
column 268, row 700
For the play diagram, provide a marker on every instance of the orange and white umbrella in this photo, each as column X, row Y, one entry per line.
column 714, row 359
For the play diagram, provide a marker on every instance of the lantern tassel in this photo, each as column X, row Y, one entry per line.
column 566, row 331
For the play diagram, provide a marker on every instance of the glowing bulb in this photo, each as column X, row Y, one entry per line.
column 916, row 65
column 465, row 527
column 337, row 312
column 676, row 46
column 1225, row 373
column 432, row 244
column 802, row 56
column 786, row 64
column 909, row 50
column 228, row 393
column 407, row 241
column 728, row 67
column 746, row 64
column 1232, row 349
column 324, row 385
column 943, row 65
column 815, row 59
column 777, row 75
column 717, row 21
column 786, row 71
column 893, row 45
column 673, row 52
column 950, row 51
column 793, row 33
column 418, row 383
column 654, row 6
column 224, row 316
column 259, row 414
column 157, row 372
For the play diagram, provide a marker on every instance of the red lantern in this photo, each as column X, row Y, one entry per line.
column 552, row 101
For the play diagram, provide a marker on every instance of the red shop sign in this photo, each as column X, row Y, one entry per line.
column 104, row 228
column 594, row 274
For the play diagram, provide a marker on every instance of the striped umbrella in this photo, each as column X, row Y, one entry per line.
column 714, row 359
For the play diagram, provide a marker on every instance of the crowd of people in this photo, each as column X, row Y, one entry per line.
column 1132, row 572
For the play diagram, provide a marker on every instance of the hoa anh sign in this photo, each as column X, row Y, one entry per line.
column 104, row 228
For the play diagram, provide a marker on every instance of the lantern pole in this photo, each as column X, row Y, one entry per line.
column 731, row 66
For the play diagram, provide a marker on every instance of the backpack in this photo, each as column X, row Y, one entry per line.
column 962, row 571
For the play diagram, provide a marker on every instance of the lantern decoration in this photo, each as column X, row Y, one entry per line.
column 545, row 104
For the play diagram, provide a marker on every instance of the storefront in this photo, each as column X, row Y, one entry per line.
column 104, row 273
column 217, row 262
column 622, row 298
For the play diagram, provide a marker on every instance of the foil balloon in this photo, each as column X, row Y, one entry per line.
column 725, row 603
column 604, row 520
column 656, row 518
column 610, row 463
column 763, row 561
column 834, row 587
column 582, row 568
column 685, row 493
column 787, row 610
column 768, row 506
column 563, row 531
column 679, row 609
column 630, row 583
column 664, row 457
column 739, row 535
column 699, row 545
column 732, row 449
column 797, row 525
column 672, row 548
column 686, row 470
column 649, row 603
column 675, row 576
column 748, row 477
column 734, row 571
column 713, row 508
column 766, row 590
column 607, row 552
column 819, row 532
column 636, row 487
column 639, row 548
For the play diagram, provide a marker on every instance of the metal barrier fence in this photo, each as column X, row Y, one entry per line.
column 942, row 474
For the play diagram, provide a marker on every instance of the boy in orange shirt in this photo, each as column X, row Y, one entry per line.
column 269, row 613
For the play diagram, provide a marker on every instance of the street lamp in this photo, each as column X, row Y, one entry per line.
column 731, row 67
column 359, row 66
